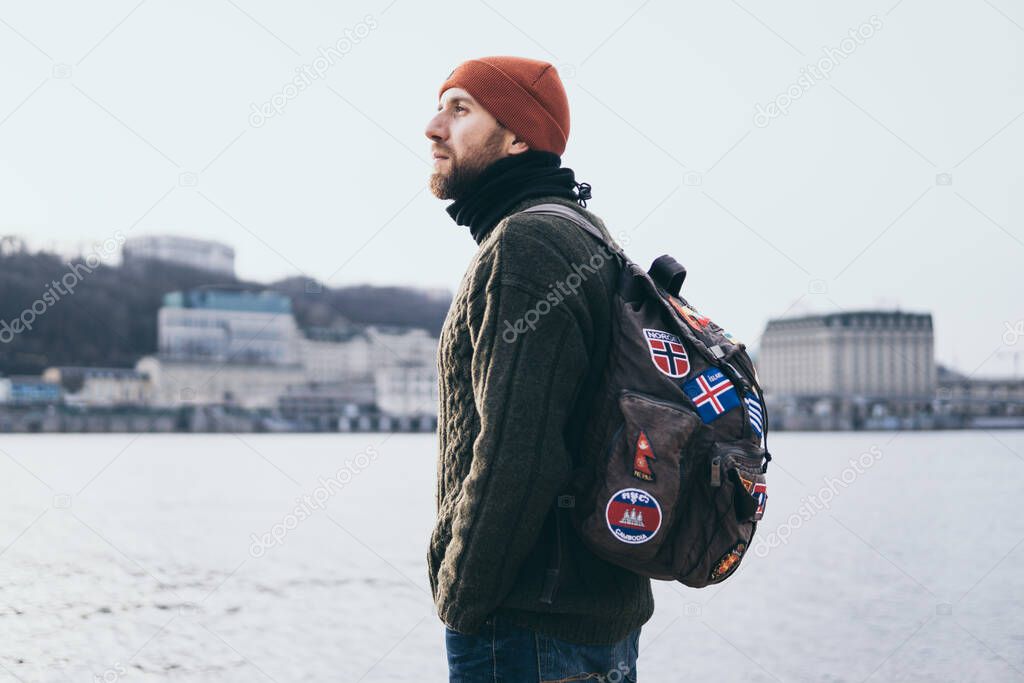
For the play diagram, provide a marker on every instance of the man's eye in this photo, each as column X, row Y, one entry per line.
column 459, row 107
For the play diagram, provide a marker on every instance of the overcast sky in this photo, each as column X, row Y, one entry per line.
column 892, row 180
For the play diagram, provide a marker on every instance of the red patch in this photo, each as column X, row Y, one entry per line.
column 692, row 317
column 643, row 455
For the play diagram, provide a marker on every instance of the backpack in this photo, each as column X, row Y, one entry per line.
column 679, row 488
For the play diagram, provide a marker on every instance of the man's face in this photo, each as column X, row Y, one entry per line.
column 466, row 140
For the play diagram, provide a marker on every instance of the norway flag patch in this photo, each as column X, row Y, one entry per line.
column 667, row 352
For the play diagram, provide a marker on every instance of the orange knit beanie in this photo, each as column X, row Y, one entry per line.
column 524, row 95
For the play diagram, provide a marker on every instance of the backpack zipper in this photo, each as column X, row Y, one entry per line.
column 681, row 407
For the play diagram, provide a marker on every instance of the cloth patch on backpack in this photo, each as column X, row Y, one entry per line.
column 667, row 352
column 712, row 393
column 756, row 414
column 731, row 337
column 761, row 494
column 643, row 456
column 633, row 516
column 759, row 491
column 692, row 317
column 727, row 563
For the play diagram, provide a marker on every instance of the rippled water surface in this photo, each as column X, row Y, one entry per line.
column 146, row 557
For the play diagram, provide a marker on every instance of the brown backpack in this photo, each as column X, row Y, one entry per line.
column 679, row 490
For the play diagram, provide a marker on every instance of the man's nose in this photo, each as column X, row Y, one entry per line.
column 435, row 129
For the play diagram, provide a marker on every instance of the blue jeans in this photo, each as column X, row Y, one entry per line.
column 503, row 653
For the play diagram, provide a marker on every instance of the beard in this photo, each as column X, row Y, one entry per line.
column 462, row 173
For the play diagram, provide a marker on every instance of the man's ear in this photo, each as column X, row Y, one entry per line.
column 517, row 146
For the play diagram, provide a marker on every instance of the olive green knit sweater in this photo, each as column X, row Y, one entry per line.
column 522, row 346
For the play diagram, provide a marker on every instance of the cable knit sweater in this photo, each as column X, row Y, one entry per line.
column 518, row 360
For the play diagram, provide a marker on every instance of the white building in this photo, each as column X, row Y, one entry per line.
column 245, row 349
column 331, row 355
column 224, row 347
column 407, row 390
column 874, row 354
column 391, row 346
column 100, row 387
column 228, row 326
column 400, row 364
column 183, row 382
column 185, row 251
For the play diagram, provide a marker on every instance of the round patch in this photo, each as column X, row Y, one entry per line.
column 633, row 516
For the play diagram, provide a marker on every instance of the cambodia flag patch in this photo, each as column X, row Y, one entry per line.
column 633, row 516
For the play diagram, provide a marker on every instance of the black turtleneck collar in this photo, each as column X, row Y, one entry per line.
column 510, row 180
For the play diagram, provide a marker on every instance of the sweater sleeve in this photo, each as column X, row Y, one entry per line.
column 529, row 359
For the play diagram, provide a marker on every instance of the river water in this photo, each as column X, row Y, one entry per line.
column 302, row 558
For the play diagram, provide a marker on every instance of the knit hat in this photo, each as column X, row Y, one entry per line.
column 524, row 95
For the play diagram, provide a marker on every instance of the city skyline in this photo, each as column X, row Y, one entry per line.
column 797, row 311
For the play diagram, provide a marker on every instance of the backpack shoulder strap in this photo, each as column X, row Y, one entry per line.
column 565, row 212
column 552, row 577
